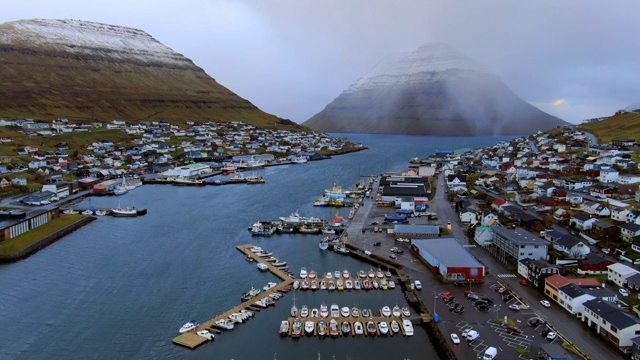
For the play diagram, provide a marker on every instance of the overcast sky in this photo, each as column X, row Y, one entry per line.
column 572, row 59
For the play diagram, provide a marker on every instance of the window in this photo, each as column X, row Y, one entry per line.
column 536, row 246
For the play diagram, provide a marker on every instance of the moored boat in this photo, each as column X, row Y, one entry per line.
column 365, row 313
column 355, row 312
column 346, row 328
column 324, row 311
column 250, row 294
column 262, row 266
column 396, row 311
column 324, row 243
column 383, row 327
column 304, row 311
column 309, row 326
column 348, row 284
column 333, row 328
column 386, row 311
column 284, row 328
column 190, row 325
column 405, row 311
column 395, row 327
column 335, row 311
column 296, row 328
column 408, row 327
column 206, row 334
column 322, row 328
column 358, row 329
column 371, row 328
column 344, row 311
column 362, row 274
column 225, row 324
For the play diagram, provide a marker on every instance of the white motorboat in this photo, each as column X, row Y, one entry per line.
column 396, row 311
column 225, row 324
column 303, row 273
column 346, row 274
column 329, row 275
column 293, row 218
column 348, row 284
column 357, row 285
column 100, row 212
column 324, row 312
column 324, row 243
column 383, row 327
column 309, row 326
column 386, row 311
column 337, row 274
column 304, row 311
column 408, row 327
column 296, row 284
column 262, row 266
column 344, row 311
column 312, row 274
column 124, row 211
column 284, row 328
column 188, row 326
column 269, row 286
column 236, row 317
column 358, row 328
column 395, row 327
column 405, row 311
column 335, row 311
column 355, row 312
column 206, row 334
column 87, row 212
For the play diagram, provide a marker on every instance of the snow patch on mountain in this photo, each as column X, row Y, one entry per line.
column 428, row 63
column 90, row 37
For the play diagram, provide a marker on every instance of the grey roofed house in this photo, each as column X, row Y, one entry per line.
column 633, row 281
column 447, row 251
column 575, row 290
column 416, row 189
column 568, row 241
column 582, row 216
column 631, row 227
column 611, row 313
column 519, row 236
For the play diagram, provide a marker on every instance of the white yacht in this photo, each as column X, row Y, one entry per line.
column 303, row 273
column 206, row 334
column 188, row 326
column 408, row 327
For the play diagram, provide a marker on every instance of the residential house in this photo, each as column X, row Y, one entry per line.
column 619, row 214
column 572, row 297
column 456, row 180
column 606, row 231
column 582, row 221
column 575, row 184
column 633, row 216
column 20, row 181
column 629, row 230
column 536, row 271
column 561, row 216
column 618, row 273
column 573, row 247
column 635, row 354
column 595, row 208
column 602, row 190
column 628, row 179
column 608, row 176
column 593, row 264
column 633, row 282
column 498, row 205
column 612, row 323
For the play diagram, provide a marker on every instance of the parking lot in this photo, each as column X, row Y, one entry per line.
column 524, row 330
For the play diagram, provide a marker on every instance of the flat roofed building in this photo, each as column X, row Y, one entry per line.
column 451, row 260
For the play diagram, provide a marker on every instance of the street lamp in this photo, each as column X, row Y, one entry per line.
column 435, row 298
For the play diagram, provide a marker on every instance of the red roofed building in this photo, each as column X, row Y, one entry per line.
column 497, row 204
column 555, row 282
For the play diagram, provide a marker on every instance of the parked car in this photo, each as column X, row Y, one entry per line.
column 515, row 307
column 506, row 297
column 473, row 297
column 624, row 292
column 458, row 283
column 393, row 256
column 524, row 282
column 446, row 294
column 551, row 335
column 417, row 284
column 502, row 290
column 459, row 309
column 535, row 321
column 606, row 250
column 466, row 332
column 545, row 303
column 455, row 339
column 454, row 306
column 449, row 299
column 513, row 329
column 482, row 307
column 377, row 243
column 472, row 335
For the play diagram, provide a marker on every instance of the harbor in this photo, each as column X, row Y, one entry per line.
column 380, row 318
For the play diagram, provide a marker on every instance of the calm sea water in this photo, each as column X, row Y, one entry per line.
column 121, row 288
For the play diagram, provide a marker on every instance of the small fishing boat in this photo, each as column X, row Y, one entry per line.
column 355, row 312
column 335, row 311
column 346, row 328
column 365, row 313
column 396, row 311
column 332, row 285
column 340, row 284
column 333, row 328
column 304, row 311
column 371, row 328
column 322, row 328
column 386, row 311
column 357, row 285
column 314, row 285
column 408, row 327
column 344, row 311
column 323, row 285
column 395, row 327
column 296, row 328
column 314, row 313
column 225, row 324
column 348, row 284
column 362, row 274
column 262, row 266
column 371, row 274
column 190, row 325
column 324, row 311
column 405, row 311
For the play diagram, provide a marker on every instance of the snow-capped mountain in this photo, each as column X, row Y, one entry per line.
column 91, row 71
column 432, row 90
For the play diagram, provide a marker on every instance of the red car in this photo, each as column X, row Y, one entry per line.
column 446, row 294
column 524, row 282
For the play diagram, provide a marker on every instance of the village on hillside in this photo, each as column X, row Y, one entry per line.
column 563, row 213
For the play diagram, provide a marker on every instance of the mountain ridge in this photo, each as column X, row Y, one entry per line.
column 92, row 71
column 434, row 90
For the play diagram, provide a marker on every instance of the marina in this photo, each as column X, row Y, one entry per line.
column 349, row 320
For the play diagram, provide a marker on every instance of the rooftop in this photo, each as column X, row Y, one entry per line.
column 448, row 251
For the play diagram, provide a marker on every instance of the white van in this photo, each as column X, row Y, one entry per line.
column 490, row 354
column 418, row 284
column 472, row 335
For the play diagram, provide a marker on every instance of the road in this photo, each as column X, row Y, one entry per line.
column 558, row 318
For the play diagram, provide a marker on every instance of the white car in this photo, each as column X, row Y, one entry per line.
column 418, row 284
column 545, row 303
column 455, row 339
column 624, row 292
column 551, row 335
column 515, row 307
column 466, row 332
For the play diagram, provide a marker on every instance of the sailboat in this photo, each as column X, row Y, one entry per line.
column 294, row 308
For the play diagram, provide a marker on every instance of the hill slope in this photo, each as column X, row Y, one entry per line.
column 85, row 71
column 434, row 90
column 621, row 126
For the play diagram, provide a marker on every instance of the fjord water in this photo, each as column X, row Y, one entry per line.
column 122, row 287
